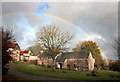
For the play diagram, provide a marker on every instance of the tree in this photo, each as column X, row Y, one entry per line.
column 116, row 47
column 90, row 46
column 116, row 65
column 78, row 47
column 36, row 49
column 7, row 40
column 53, row 41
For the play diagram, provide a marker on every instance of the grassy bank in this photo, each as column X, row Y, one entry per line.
column 66, row 74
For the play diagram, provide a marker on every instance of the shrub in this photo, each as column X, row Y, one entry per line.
column 104, row 66
column 15, row 62
column 115, row 66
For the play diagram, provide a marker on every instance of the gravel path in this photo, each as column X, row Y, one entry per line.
column 33, row 77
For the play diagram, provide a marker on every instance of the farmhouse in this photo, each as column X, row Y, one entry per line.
column 24, row 55
column 76, row 60
column 14, row 50
column 16, row 53
column 71, row 60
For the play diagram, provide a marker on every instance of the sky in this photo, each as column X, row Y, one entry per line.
column 98, row 19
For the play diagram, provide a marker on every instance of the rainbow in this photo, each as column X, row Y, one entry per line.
column 48, row 15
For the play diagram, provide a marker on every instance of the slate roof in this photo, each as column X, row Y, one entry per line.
column 44, row 56
column 70, row 55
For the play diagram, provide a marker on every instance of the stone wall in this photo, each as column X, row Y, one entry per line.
column 45, row 61
column 79, row 64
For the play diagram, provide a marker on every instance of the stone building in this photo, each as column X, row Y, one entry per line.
column 76, row 61
column 71, row 60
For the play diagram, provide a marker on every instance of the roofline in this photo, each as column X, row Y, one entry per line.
column 76, row 52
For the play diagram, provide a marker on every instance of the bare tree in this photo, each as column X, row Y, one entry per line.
column 116, row 47
column 53, row 41
column 36, row 49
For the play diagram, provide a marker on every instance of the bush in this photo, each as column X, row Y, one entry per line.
column 15, row 62
column 104, row 66
column 115, row 66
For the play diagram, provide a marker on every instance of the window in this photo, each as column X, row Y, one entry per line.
column 74, row 66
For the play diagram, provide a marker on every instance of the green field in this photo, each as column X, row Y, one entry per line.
column 66, row 74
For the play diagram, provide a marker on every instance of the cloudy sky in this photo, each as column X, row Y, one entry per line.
column 97, row 19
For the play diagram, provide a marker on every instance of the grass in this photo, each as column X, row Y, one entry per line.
column 66, row 74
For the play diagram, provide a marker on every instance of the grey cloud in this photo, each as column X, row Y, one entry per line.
column 14, row 7
column 34, row 20
column 97, row 18
column 88, row 15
